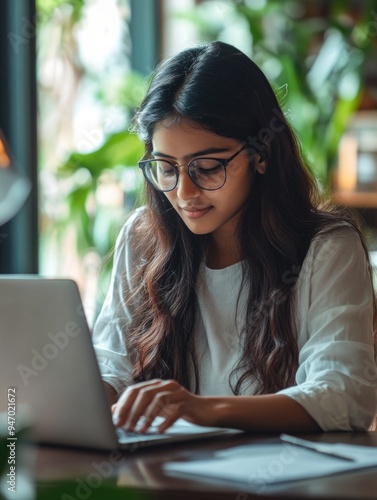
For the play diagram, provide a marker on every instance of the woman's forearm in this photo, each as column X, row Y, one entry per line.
column 274, row 413
column 167, row 398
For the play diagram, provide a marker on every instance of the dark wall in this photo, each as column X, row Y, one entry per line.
column 19, row 237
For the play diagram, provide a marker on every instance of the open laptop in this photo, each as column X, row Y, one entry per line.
column 47, row 359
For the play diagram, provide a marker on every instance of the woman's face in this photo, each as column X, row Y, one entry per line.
column 204, row 212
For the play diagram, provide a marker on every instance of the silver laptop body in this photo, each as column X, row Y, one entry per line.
column 47, row 359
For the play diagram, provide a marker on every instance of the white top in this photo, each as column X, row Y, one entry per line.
column 337, row 375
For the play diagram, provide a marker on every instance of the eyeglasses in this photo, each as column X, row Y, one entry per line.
column 206, row 173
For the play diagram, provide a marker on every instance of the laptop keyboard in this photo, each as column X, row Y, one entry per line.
column 125, row 436
column 128, row 437
column 179, row 428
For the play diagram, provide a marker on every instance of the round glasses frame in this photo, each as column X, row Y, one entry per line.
column 143, row 165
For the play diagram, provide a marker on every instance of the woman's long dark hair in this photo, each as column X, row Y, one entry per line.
column 221, row 90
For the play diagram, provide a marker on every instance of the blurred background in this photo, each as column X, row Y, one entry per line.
column 73, row 72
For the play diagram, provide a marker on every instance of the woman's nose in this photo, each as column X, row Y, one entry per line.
column 186, row 189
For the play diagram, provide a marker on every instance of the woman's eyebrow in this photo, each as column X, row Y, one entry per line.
column 202, row 152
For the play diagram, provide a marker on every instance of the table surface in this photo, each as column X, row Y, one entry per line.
column 142, row 470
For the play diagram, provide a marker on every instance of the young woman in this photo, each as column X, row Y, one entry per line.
column 235, row 300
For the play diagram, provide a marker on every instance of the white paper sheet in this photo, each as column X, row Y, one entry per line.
column 260, row 465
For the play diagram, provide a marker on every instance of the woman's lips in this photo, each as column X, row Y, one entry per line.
column 195, row 212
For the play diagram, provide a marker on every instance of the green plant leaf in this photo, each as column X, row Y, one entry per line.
column 121, row 148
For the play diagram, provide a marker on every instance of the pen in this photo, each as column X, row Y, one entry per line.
column 324, row 449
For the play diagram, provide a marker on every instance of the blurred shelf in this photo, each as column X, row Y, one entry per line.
column 357, row 199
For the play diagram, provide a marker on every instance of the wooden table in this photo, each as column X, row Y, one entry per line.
column 142, row 471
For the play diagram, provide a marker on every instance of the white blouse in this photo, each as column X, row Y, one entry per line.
column 336, row 381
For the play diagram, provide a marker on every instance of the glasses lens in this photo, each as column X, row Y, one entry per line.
column 161, row 174
column 206, row 173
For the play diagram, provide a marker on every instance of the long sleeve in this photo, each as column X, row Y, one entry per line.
column 337, row 377
column 110, row 329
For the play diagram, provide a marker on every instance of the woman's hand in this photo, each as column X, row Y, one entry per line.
column 168, row 399
column 164, row 398
column 110, row 393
